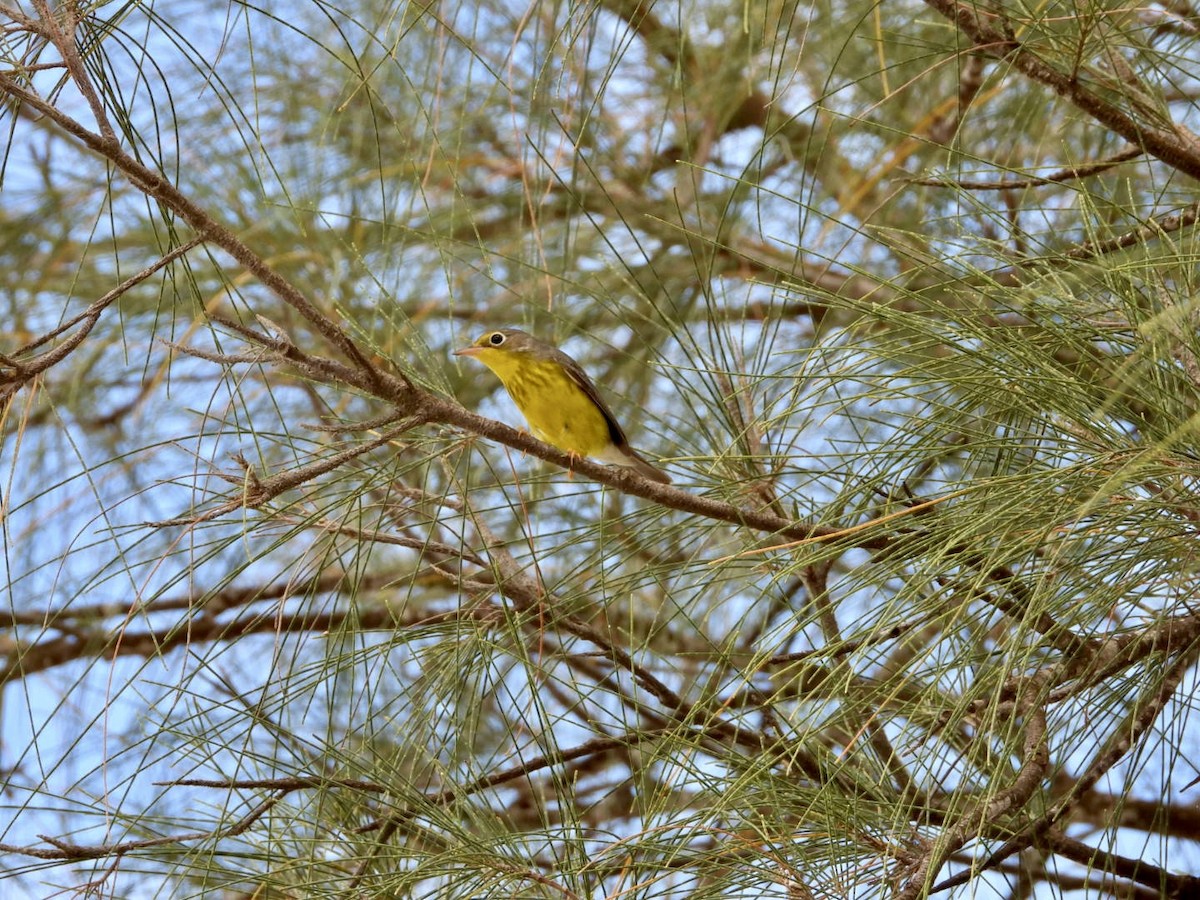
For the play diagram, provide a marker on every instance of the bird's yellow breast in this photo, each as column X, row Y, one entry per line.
column 557, row 409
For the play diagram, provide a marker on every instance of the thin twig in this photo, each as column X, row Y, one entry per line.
column 26, row 369
column 76, row 852
column 1070, row 173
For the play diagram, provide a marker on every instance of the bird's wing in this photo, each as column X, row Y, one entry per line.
column 580, row 378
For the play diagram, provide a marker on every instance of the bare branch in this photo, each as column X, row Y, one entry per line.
column 76, row 852
column 1071, row 173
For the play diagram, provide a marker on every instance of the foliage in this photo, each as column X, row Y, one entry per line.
column 901, row 294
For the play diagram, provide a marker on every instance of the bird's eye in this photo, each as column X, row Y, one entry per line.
column 496, row 339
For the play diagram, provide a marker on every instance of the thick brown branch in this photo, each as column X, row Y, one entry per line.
column 1136, row 870
column 984, row 815
column 213, row 603
column 1176, row 149
column 102, row 644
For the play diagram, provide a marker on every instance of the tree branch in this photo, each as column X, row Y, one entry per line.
column 1175, row 149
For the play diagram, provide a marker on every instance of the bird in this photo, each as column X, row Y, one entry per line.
column 557, row 399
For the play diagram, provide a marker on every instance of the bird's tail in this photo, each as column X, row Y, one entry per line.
column 644, row 468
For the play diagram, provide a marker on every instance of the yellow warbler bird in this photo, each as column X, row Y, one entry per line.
column 558, row 400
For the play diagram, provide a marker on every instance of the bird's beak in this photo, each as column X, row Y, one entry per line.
column 467, row 351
